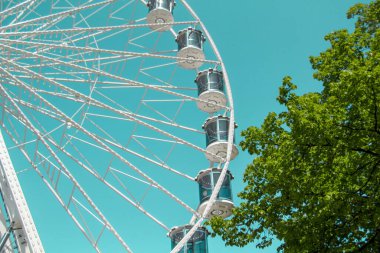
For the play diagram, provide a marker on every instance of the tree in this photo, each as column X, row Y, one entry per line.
column 315, row 177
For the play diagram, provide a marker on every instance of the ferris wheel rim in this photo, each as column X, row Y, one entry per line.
column 213, row 197
column 229, row 108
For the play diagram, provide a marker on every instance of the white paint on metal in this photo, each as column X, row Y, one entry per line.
column 25, row 231
column 230, row 137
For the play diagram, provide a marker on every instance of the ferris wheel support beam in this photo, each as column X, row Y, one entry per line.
column 5, row 237
column 25, row 231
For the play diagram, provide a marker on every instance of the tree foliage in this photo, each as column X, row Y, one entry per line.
column 314, row 181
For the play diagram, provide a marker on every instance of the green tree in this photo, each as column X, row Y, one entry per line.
column 315, row 177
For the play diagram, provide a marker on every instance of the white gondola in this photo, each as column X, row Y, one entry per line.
column 190, row 45
column 216, row 129
column 223, row 204
column 210, row 90
column 196, row 244
column 160, row 12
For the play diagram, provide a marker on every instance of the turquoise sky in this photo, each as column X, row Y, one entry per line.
column 260, row 43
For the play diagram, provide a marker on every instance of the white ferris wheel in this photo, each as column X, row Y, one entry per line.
column 98, row 101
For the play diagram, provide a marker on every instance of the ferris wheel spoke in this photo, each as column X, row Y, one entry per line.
column 75, row 76
column 95, row 72
column 64, row 169
column 28, row 8
column 118, row 192
column 8, row 11
column 73, row 98
column 71, row 203
column 39, row 109
column 97, row 103
column 111, row 186
column 76, row 205
column 112, row 85
column 48, row 18
column 51, row 189
column 142, row 70
column 110, row 139
column 105, row 60
column 130, row 40
column 107, row 36
column 143, row 1
column 86, row 29
column 104, row 85
column 64, row 37
column 17, row 134
column 106, row 147
column 64, row 40
column 168, row 121
column 85, row 18
column 135, row 26
column 145, row 148
column 122, row 184
column 106, row 51
column 150, row 180
column 167, row 84
column 158, row 112
column 104, row 181
column 122, row 7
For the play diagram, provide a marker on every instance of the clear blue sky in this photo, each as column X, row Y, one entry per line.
column 260, row 42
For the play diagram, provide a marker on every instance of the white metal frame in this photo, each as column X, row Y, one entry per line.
column 51, row 164
column 22, row 222
column 218, row 185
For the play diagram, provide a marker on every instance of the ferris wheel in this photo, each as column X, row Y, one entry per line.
column 123, row 110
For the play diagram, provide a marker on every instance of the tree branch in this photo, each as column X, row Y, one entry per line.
column 365, row 151
column 376, row 110
column 375, row 167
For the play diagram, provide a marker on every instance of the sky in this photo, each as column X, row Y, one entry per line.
column 260, row 43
